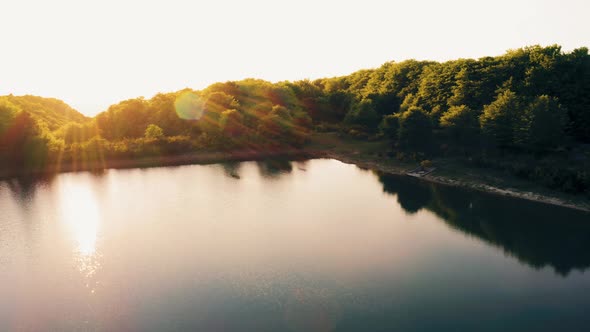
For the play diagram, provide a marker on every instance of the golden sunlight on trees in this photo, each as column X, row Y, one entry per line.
column 231, row 123
column 531, row 103
column 73, row 132
column 189, row 106
column 153, row 131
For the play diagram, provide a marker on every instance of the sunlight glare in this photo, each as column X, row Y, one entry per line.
column 79, row 211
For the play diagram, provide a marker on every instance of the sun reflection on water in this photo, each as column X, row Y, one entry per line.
column 81, row 216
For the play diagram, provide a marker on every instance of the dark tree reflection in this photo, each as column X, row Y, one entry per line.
column 536, row 234
column 232, row 168
column 273, row 168
column 23, row 188
column 412, row 195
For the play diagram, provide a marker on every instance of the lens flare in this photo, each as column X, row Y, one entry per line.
column 189, row 106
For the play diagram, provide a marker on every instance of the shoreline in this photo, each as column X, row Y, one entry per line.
column 473, row 185
column 194, row 158
column 372, row 163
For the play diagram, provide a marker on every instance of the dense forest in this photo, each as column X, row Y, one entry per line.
column 526, row 112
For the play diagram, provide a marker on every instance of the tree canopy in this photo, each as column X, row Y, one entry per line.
column 534, row 99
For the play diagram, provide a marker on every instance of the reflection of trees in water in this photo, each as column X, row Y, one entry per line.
column 23, row 189
column 301, row 164
column 232, row 168
column 412, row 195
column 536, row 234
column 272, row 168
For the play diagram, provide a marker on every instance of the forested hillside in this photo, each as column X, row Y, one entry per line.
column 508, row 99
column 526, row 112
column 27, row 129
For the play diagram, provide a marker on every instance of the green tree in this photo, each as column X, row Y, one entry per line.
column 25, row 147
column 502, row 118
column 461, row 124
column 127, row 119
column 463, row 90
column 175, row 113
column 281, row 111
column 544, row 123
column 272, row 129
column 436, row 87
column 48, row 112
column 7, row 114
column 389, row 126
column 415, row 129
column 573, row 91
column 364, row 114
column 232, row 123
column 76, row 132
column 153, row 131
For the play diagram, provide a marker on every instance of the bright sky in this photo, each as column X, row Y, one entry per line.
column 95, row 53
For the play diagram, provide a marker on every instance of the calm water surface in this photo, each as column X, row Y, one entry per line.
column 284, row 246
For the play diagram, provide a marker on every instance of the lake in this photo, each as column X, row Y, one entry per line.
column 313, row 245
